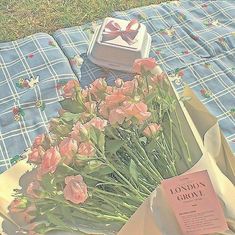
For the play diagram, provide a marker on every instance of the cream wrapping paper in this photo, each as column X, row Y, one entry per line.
column 154, row 217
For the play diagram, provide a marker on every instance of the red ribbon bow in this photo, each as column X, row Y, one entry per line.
column 113, row 29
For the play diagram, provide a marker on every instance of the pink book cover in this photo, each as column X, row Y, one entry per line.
column 195, row 204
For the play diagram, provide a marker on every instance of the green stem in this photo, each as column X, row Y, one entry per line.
column 147, row 83
column 188, row 159
column 114, row 194
column 107, row 201
column 124, row 179
column 98, row 215
column 149, row 185
column 112, row 200
column 129, row 151
column 62, row 228
column 165, row 151
column 153, row 168
column 171, row 132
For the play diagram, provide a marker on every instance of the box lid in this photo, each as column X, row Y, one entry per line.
column 117, row 43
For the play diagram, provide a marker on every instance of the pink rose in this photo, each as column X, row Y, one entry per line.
column 158, row 78
column 98, row 87
column 38, row 140
column 103, row 109
column 98, row 123
column 85, row 92
column 151, row 129
column 112, row 101
column 115, row 99
column 147, row 64
column 79, row 132
column 75, row 189
column 33, row 189
column 68, row 147
column 119, row 82
column 90, row 106
column 109, row 90
column 36, row 155
column 27, row 215
column 116, row 116
column 50, row 162
column 69, row 88
column 129, row 87
column 137, row 110
column 86, row 149
column 18, row 205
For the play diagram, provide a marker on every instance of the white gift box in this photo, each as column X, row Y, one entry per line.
column 117, row 43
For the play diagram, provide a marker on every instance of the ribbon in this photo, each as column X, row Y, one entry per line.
column 113, row 29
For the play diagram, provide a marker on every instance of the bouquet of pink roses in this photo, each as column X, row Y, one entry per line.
column 107, row 151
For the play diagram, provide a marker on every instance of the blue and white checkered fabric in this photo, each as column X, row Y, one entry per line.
column 193, row 41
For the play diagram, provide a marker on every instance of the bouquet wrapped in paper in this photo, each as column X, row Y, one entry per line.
column 99, row 169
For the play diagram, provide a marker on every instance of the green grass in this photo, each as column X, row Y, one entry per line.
column 19, row 18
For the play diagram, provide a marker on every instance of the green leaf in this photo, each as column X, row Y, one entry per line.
column 85, row 217
column 63, row 171
column 112, row 146
column 71, row 106
column 59, row 197
column 79, row 95
column 96, row 168
column 133, row 170
column 44, row 209
column 65, row 210
column 48, row 183
column 101, row 141
column 92, row 166
column 151, row 146
column 41, row 228
column 53, row 219
column 102, row 171
column 70, row 117
column 62, row 130
column 149, row 98
column 93, row 135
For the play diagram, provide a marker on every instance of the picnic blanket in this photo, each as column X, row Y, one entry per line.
column 193, row 41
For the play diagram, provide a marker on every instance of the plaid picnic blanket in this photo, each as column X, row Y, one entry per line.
column 193, row 41
column 30, row 69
